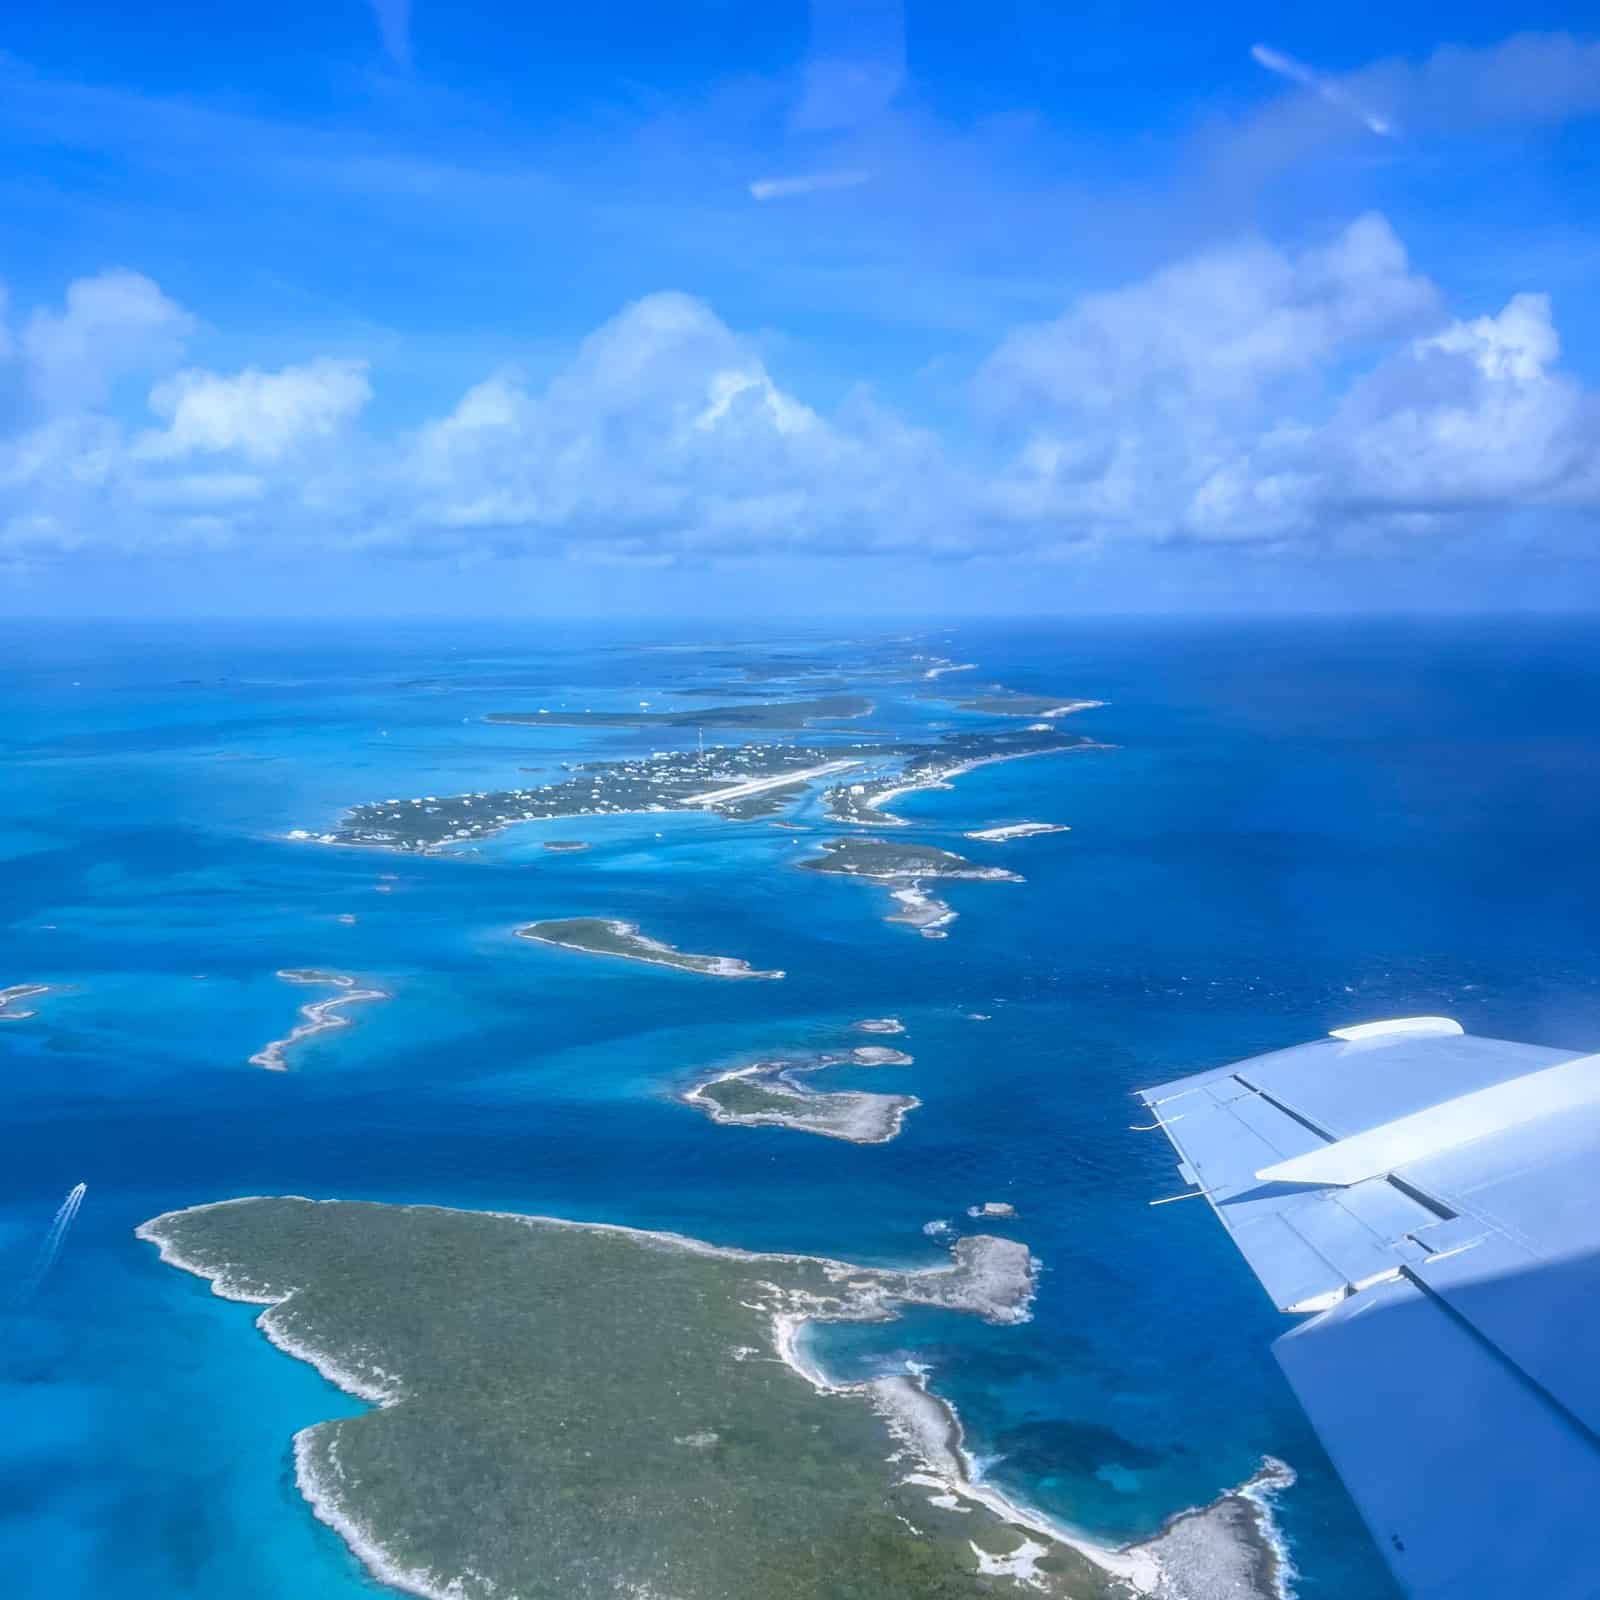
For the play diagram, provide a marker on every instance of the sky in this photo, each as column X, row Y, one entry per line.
column 387, row 307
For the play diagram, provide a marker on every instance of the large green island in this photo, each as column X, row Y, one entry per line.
column 570, row 1410
column 738, row 782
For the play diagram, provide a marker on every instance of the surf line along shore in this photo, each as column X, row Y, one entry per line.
column 530, row 1307
column 610, row 936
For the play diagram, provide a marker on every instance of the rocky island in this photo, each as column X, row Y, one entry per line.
column 601, row 936
column 570, row 1409
column 889, row 859
column 20, row 991
column 906, row 865
column 769, row 1094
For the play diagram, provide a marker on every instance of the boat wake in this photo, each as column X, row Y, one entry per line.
column 51, row 1245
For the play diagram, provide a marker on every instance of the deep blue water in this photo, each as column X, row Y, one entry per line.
column 1302, row 825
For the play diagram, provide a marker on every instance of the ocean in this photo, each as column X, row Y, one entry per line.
column 1299, row 825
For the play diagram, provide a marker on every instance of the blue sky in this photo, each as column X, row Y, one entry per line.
column 371, row 306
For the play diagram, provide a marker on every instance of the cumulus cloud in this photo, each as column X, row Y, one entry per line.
column 111, row 325
column 1137, row 406
column 258, row 415
column 1472, row 417
column 1218, row 327
column 666, row 431
column 1248, row 395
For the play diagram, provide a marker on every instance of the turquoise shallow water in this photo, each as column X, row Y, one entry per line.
column 1300, row 827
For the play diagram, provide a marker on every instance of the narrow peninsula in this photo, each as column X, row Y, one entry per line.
column 601, row 936
column 934, row 766
column 318, row 1017
column 570, row 1409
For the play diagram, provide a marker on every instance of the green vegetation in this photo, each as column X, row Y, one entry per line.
column 665, row 780
column 861, row 857
column 573, row 1411
column 767, row 714
column 1008, row 704
column 601, row 936
column 933, row 766
column 740, row 782
column 768, row 1094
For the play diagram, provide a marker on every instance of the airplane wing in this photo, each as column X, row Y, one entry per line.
column 1430, row 1201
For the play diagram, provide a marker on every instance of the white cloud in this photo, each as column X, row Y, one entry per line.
column 808, row 183
column 1290, row 398
column 1138, row 408
column 666, row 428
column 1220, row 327
column 1473, row 417
column 1527, row 80
column 259, row 415
column 1324, row 87
column 112, row 325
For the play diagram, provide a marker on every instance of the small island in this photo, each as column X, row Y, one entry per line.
column 569, row 1409
column 906, row 865
column 20, row 991
column 889, row 859
column 318, row 1017
column 1043, row 706
column 879, row 1025
column 1018, row 830
column 602, row 936
column 767, row 1094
